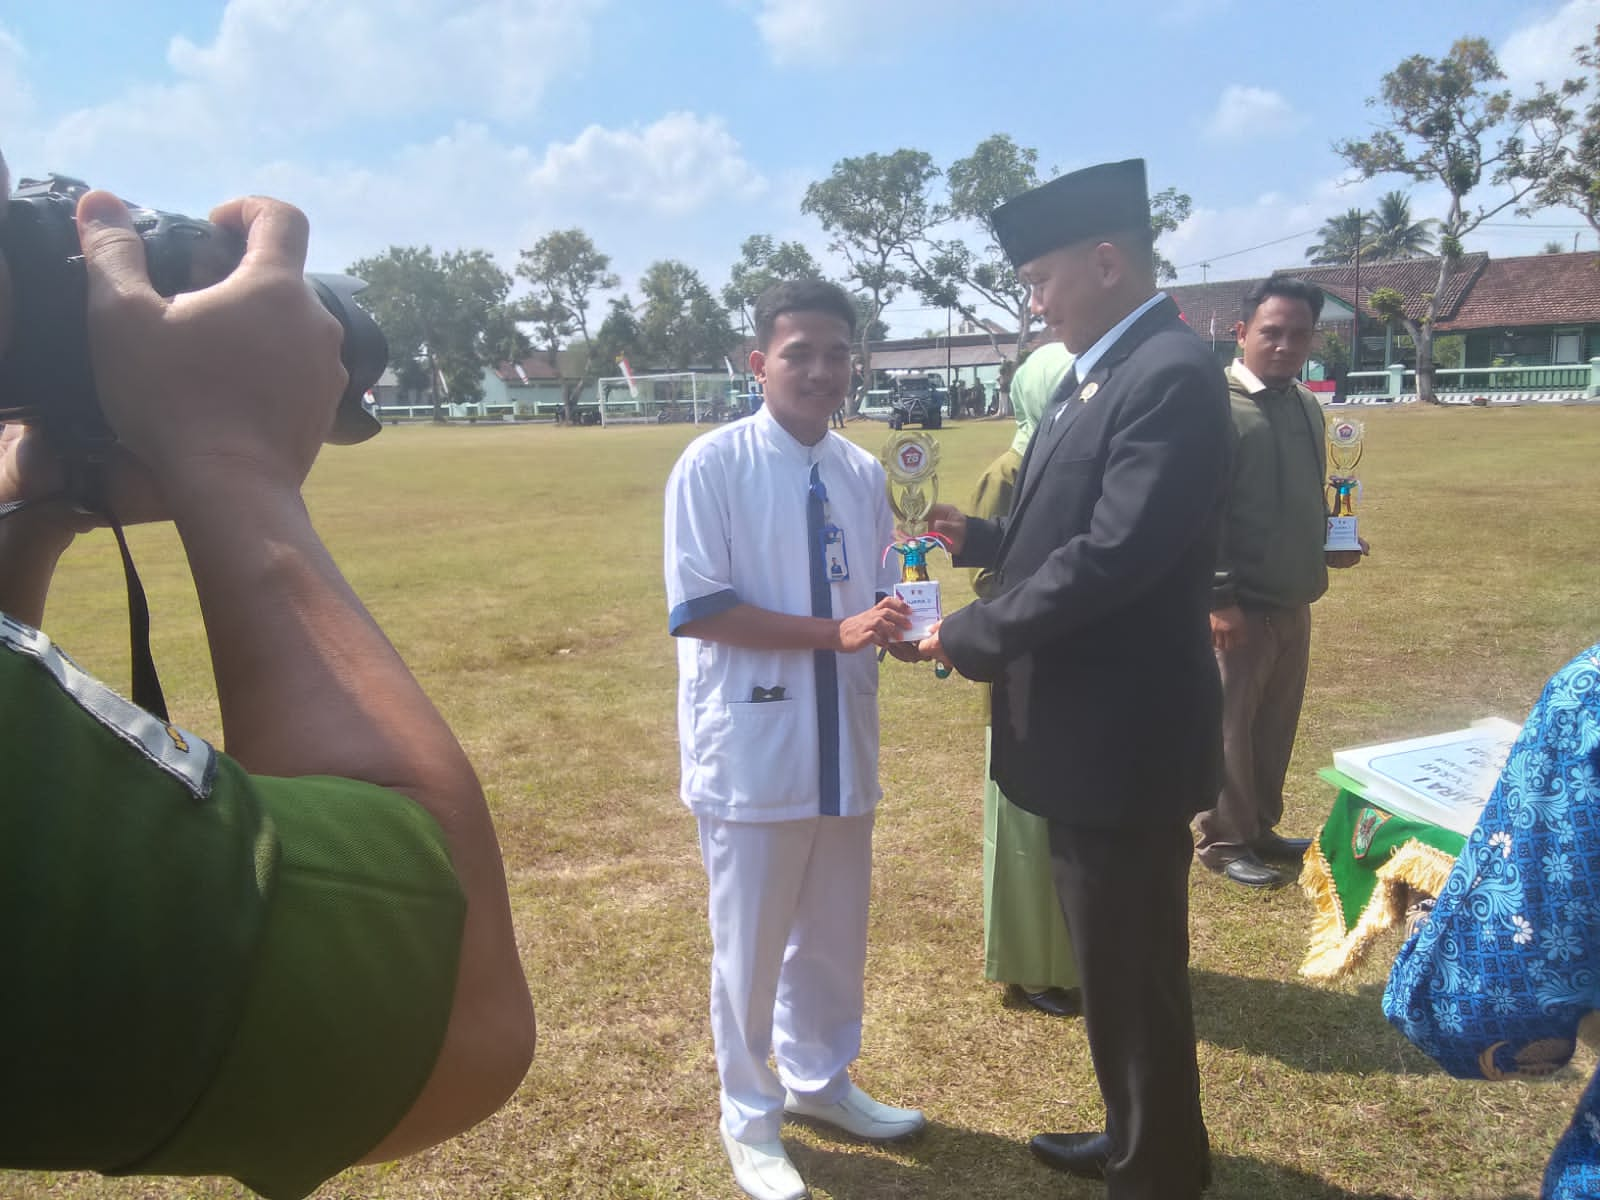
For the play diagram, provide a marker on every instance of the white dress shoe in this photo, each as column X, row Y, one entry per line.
column 762, row 1169
column 859, row 1115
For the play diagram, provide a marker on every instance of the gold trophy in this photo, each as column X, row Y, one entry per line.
column 1344, row 452
column 911, row 460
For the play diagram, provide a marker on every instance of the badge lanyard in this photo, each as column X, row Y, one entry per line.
column 835, row 560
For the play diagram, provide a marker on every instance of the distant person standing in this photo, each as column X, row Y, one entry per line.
column 977, row 399
column 1025, row 941
column 1271, row 566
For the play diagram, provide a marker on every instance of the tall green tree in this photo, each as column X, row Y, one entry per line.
column 1343, row 237
column 682, row 324
column 447, row 313
column 876, row 208
column 1169, row 208
column 950, row 273
column 762, row 263
column 1574, row 181
column 1391, row 233
column 1446, row 124
column 567, row 275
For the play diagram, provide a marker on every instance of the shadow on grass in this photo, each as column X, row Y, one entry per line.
column 1240, row 1178
column 944, row 1161
column 1309, row 1028
column 951, row 1162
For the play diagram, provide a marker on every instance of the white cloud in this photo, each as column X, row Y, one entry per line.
column 279, row 70
column 1251, row 113
column 830, row 32
column 1542, row 52
column 315, row 64
column 672, row 167
column 679, row 187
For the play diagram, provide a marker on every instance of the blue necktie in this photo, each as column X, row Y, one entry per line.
column 823, row 661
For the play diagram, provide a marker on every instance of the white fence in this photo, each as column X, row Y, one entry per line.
column 1569, row 383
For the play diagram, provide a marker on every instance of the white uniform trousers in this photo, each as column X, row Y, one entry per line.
column 788, row 913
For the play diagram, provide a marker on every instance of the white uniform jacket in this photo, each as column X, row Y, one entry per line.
column 756, row 738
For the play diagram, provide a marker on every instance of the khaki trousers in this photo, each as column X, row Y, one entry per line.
column 1263, row 685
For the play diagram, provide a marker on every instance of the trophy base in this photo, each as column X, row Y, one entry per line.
column 926, row 609
column 1342, row 534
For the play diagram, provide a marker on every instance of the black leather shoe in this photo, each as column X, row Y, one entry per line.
column 1273, row 848
column 1082, row 1154
column 1057, row 1002
column 1252, row 872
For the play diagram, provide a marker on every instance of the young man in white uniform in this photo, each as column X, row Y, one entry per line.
column 775, row 538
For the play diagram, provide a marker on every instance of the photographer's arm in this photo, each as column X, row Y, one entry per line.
column 226, row 394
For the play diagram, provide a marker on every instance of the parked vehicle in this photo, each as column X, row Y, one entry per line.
column 917, row 400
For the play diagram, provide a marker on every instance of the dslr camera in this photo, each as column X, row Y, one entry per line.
column 45, row 376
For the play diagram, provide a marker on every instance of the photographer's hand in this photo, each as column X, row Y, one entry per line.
column 227, row 393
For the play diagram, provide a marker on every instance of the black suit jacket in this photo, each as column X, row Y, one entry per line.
column 1107, row 708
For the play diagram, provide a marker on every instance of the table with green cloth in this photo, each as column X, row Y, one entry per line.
column 1359, row 872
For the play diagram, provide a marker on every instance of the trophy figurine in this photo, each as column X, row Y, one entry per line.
column 1344, row 452
column 910, row 461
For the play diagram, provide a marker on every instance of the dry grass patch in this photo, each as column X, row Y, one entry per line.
column 518, row 570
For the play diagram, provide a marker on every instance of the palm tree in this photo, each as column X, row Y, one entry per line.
column 1342, row 238
column 1391, row 233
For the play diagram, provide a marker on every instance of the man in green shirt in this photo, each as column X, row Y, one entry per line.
column 270, row 963
column 1271, row 568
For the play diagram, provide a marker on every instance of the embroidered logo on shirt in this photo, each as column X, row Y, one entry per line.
column 177, row 752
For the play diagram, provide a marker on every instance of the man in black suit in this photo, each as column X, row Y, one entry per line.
column 1106, row 700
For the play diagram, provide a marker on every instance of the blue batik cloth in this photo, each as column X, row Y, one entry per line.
column 1494, row 983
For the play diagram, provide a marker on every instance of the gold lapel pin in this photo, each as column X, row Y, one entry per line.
column 1089, row 390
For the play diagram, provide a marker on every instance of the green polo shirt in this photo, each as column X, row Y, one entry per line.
column 207, row 972
column 1275, row 524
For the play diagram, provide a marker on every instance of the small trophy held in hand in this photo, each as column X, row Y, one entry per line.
column 910, row 461
column 1344, row 452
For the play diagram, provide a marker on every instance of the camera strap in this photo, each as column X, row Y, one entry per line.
column 147, row 693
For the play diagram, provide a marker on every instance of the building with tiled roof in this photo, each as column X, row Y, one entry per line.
column 1537, row 310
column 1413, row 278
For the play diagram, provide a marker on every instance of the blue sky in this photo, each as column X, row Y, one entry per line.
column 674, row 128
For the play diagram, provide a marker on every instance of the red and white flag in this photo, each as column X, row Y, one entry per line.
column 627, row 373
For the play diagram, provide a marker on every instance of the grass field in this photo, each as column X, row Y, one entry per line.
column 519, row 572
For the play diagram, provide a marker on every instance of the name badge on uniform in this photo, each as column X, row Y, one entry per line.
column 834, row 558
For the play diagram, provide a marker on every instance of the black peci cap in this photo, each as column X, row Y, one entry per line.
column 1094, row 202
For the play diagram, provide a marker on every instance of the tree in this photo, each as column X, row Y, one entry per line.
column 953, row 275
column 567, row 274
column 872, row 328
column 876, row 208
column 1445, row 126
column 762, row 263
column 682, row 324
column 1552, row 248
column 1343, row 237
column 618, row 337
column 1391, row 233
column 447, row 313
column 1169, row 208
column 1574, row 181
